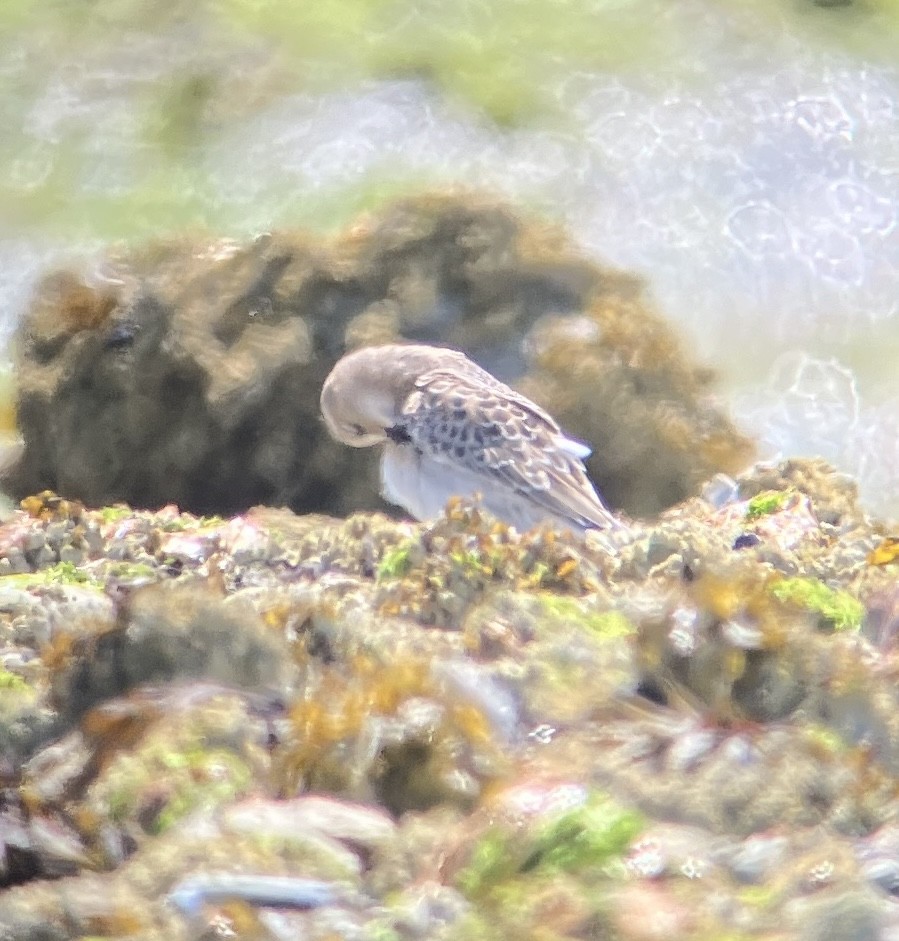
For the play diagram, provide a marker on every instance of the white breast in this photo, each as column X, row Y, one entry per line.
column 422, row 487
column 419, row 485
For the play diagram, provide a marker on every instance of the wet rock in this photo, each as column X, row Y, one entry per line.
column 365, row 830
column 170, row 632
column 835, row 915
column 545, row 646
column 192, row 894
column 383, row 729
column 391, row 732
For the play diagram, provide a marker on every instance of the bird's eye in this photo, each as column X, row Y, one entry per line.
column 357, row 430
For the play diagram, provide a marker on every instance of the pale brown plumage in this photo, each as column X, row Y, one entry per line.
column 451, row 429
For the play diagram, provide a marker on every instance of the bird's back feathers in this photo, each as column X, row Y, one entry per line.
column 459, row 414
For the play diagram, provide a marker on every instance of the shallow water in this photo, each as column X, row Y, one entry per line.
column 744, row 158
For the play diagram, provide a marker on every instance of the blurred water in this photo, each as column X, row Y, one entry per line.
column 757, row 191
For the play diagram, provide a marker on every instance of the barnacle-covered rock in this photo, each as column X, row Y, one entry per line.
column 167, row 633
column 276, row 725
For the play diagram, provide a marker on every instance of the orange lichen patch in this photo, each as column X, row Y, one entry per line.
column 725, row 597
column 65, row 304
column 122, row 922
column 32, row 801
column 368, row 722
column 57, row 654
column 886, row 552
column 279, row 616
column 238, row 919
column 120, row 723
column 7, row 412
column 336, row 706
column 48, row 505
column 460, row 557
column 744, row 596
column 85, row 818
column 405, row 678
column 472, row 722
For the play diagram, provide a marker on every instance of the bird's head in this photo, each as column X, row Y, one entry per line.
column 358, row 401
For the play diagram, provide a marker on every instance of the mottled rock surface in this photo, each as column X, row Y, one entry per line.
column 189, row 371
column 281, row 726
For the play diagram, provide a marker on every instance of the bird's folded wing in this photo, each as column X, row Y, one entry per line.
column 476, row 422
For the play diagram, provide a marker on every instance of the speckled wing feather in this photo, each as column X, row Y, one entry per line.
column 464, row 416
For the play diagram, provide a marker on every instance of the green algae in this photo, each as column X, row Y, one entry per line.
column 381, row 931
column 586, row 839
column 490, row 862
column 503, row 58
column 836, row 609
column 396, row 561
column 559, row 609
column 185, row 523
column 116, row 513
column 590, row 836
column 767, row 502
column 187, row 763
column 209, row 780
column 471, row 562
column 66, row 573
column 508, row 61
column 569, row 858
column 12, row 682
column 132, row 571
column 760, row 897
column 504, row 61
column 825, row 739
column 539, row 574
column 62, row 573
column 194, row 778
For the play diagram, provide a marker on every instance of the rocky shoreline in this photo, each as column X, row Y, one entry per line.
column 452, row 730
column 219, row 719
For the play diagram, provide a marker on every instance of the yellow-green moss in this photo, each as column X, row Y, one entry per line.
column 567, row 861
column 113, row 514
column 195, row 778
column 604, row 624
column 586, row 838
column 396, row 561
column 63, row 573
column 186, row 522
column 12, row 682
column 824, row 739
column 837, row 609
column 382, row 931
column 503, row 57
column 129, row 571
column 767, row 502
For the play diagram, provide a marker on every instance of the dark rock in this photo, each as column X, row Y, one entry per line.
column 192, row 374
column 169, row 632
column 746, row 541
